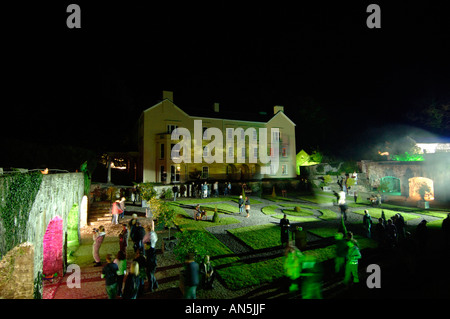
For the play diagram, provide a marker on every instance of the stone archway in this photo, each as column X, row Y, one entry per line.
column 53, row 248
column 392, row 184
column 418, row 185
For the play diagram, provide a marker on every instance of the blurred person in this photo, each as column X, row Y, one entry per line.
column 123, row 239
column 208, row 273
column 341, row 252
column 98, row 237
column 311, row 273
column 115, row 211
column 122, row 207
column 132, row 282
column 351, row 265
column 109, row 273
column 285, row 226
column 121, row 262
column 367, row 222
column 191, row 277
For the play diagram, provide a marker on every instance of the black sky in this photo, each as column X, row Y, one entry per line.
column 88, row 86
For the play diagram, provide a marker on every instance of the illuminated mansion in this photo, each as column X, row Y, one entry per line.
column 266, row 150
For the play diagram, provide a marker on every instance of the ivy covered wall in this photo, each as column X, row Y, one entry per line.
column 28, row 202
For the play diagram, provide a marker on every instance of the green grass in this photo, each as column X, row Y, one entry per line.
column 327, row 214
column 302, row 213
column 376, row 213
column 276, row 198
column 258, row 237
column 222, row 208
column 252, row 200
column 299, row 205
column 318, row 199
column 241, row 275
column 323, row 232
column 297, row 218
column 269, row 210
column 196, row 201
column 185, row 222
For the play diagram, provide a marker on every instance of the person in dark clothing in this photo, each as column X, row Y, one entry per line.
column 175, row 191
column 367, row 222
column 341, row 252
column 137, row 235
column 380, row 233
column 140, row 259
column 191, row 277
column 241, row 204
column 422, row 234
column 151, row 268
column 123, row 239
column 109, row 273
column 399, row 222
column 285, row 226
column 391, row 233
column 208, row 273
column 132, row 283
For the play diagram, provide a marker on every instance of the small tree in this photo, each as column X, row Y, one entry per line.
column 147, row 191
column 166, row 216
column 191, row 241
column 423, row 190
column 216, row 217
column 273, row 192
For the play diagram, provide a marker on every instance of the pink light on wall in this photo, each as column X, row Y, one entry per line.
column 53, row 247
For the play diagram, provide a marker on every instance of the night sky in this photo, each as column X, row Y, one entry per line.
column 88, row 86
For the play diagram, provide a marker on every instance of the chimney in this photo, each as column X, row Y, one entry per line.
column 168, row 95
column 216, row 107
column 278, row 108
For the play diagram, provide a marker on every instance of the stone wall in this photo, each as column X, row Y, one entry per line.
column 56, row 196
column 375, row 170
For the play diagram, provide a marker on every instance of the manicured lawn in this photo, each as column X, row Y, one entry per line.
column 327, row 214
column 195, row 201
column 222, row 208
column 214, row 246
column 323, row 232
column 297, row 218
column 276, row 198
column 240, row 275
column 269, row 210
column 252, row 200
column 376, row 213
column 258, row 237
column 302, row 213
column 318, row 199
column 299, row 205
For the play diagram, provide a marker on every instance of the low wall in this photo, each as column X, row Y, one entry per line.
column 57, row 195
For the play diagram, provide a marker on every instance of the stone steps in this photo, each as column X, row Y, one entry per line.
column 99, row 214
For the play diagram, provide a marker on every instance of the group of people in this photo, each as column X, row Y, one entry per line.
column 118, row 210
column 200, row 190
column 119, row 281
column 347, row 256
column 387, row 232
column 195, row 275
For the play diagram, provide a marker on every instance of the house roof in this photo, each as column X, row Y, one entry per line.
column 262, row 117
column 433, row 139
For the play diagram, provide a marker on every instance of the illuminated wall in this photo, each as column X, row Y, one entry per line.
column 416, row 183
column 393, row 184
column 53, row 247
column 73, row 221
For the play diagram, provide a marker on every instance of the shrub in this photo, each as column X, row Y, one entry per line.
column 216, row 217
column 146, row 191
